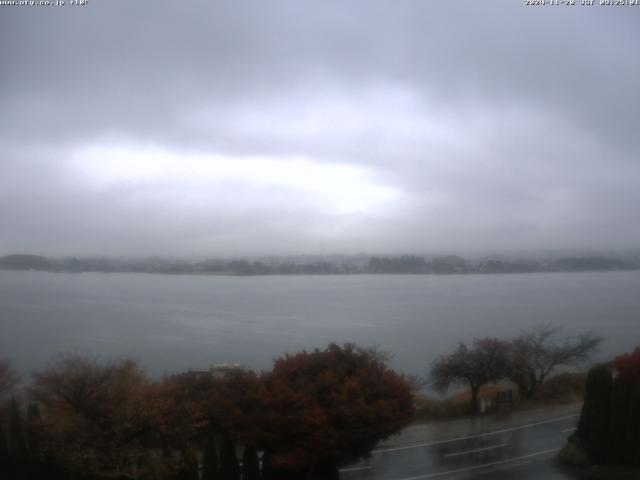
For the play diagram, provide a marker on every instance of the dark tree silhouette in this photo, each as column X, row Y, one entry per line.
column 593, row 427
column 189, row 467
column 17, row 440
column 250, row 464
column 229, row 468
column 33, row 427
column 484, row 362
column 536, row 353
column 609, row 427
column 624, row 427
column 210, row 458
column 5, row 459
column 37, row 458
column 236, row 408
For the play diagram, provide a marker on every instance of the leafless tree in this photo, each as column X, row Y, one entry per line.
column 536, row 353
column 95, row 416
column 417, row 382
column 378, row 353
column 484, row 362
column 77, row 384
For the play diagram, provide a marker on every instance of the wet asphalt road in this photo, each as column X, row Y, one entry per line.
column 520, row 452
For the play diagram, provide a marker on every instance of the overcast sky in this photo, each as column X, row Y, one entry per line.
column 259, row 127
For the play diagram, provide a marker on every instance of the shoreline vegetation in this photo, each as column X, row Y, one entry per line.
column 562, row 389
column 321, row 265
column 311, row 413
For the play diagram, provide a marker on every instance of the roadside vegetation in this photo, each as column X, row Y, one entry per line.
column 606, row 444
column 561, row 389
column 309, row 415
column 528, row 367
column 312, row 413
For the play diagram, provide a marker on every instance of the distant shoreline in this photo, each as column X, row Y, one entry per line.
column 321, row 265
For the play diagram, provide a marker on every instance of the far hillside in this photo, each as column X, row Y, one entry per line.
column 24, row 262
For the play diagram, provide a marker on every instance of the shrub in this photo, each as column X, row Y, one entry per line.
column 573, row 456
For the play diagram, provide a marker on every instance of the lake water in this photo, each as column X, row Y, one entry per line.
column 172, row 323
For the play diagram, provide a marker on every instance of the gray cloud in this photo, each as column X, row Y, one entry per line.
column 461, row 126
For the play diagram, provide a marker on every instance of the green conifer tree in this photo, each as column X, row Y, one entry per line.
column 623, row 441
column 593, row 426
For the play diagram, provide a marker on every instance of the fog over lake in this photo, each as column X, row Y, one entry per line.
column 173, row 322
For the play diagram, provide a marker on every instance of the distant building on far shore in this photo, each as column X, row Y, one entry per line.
column 218, row 370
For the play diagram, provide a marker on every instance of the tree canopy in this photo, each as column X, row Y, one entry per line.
column 313, row 412
column 93, row 422
column 329, row 407
column 628, row 365
column 485, row 361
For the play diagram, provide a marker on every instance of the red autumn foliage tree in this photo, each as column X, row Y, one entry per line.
column 191, row 410
column 185, row 406
column 628, row 365
column 178, row 407
column 236, row 408
column 329, row 407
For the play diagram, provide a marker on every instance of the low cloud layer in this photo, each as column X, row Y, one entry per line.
column 238, row 128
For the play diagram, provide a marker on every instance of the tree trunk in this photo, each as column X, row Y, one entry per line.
column 527, row 386
column 475, row 389
column 267, row 468
column 229, row 468
column 210, row 458
column 250, row 464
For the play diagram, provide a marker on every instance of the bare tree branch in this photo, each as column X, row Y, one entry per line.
column 535, row 354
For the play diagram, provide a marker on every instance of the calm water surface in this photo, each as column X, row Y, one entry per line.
column 172, row 323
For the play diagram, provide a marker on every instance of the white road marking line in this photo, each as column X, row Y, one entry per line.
column 457, row 439
column 509, row 466
column 457, row 454
column 568, row 430
column 354, row 469
column 484, row 465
